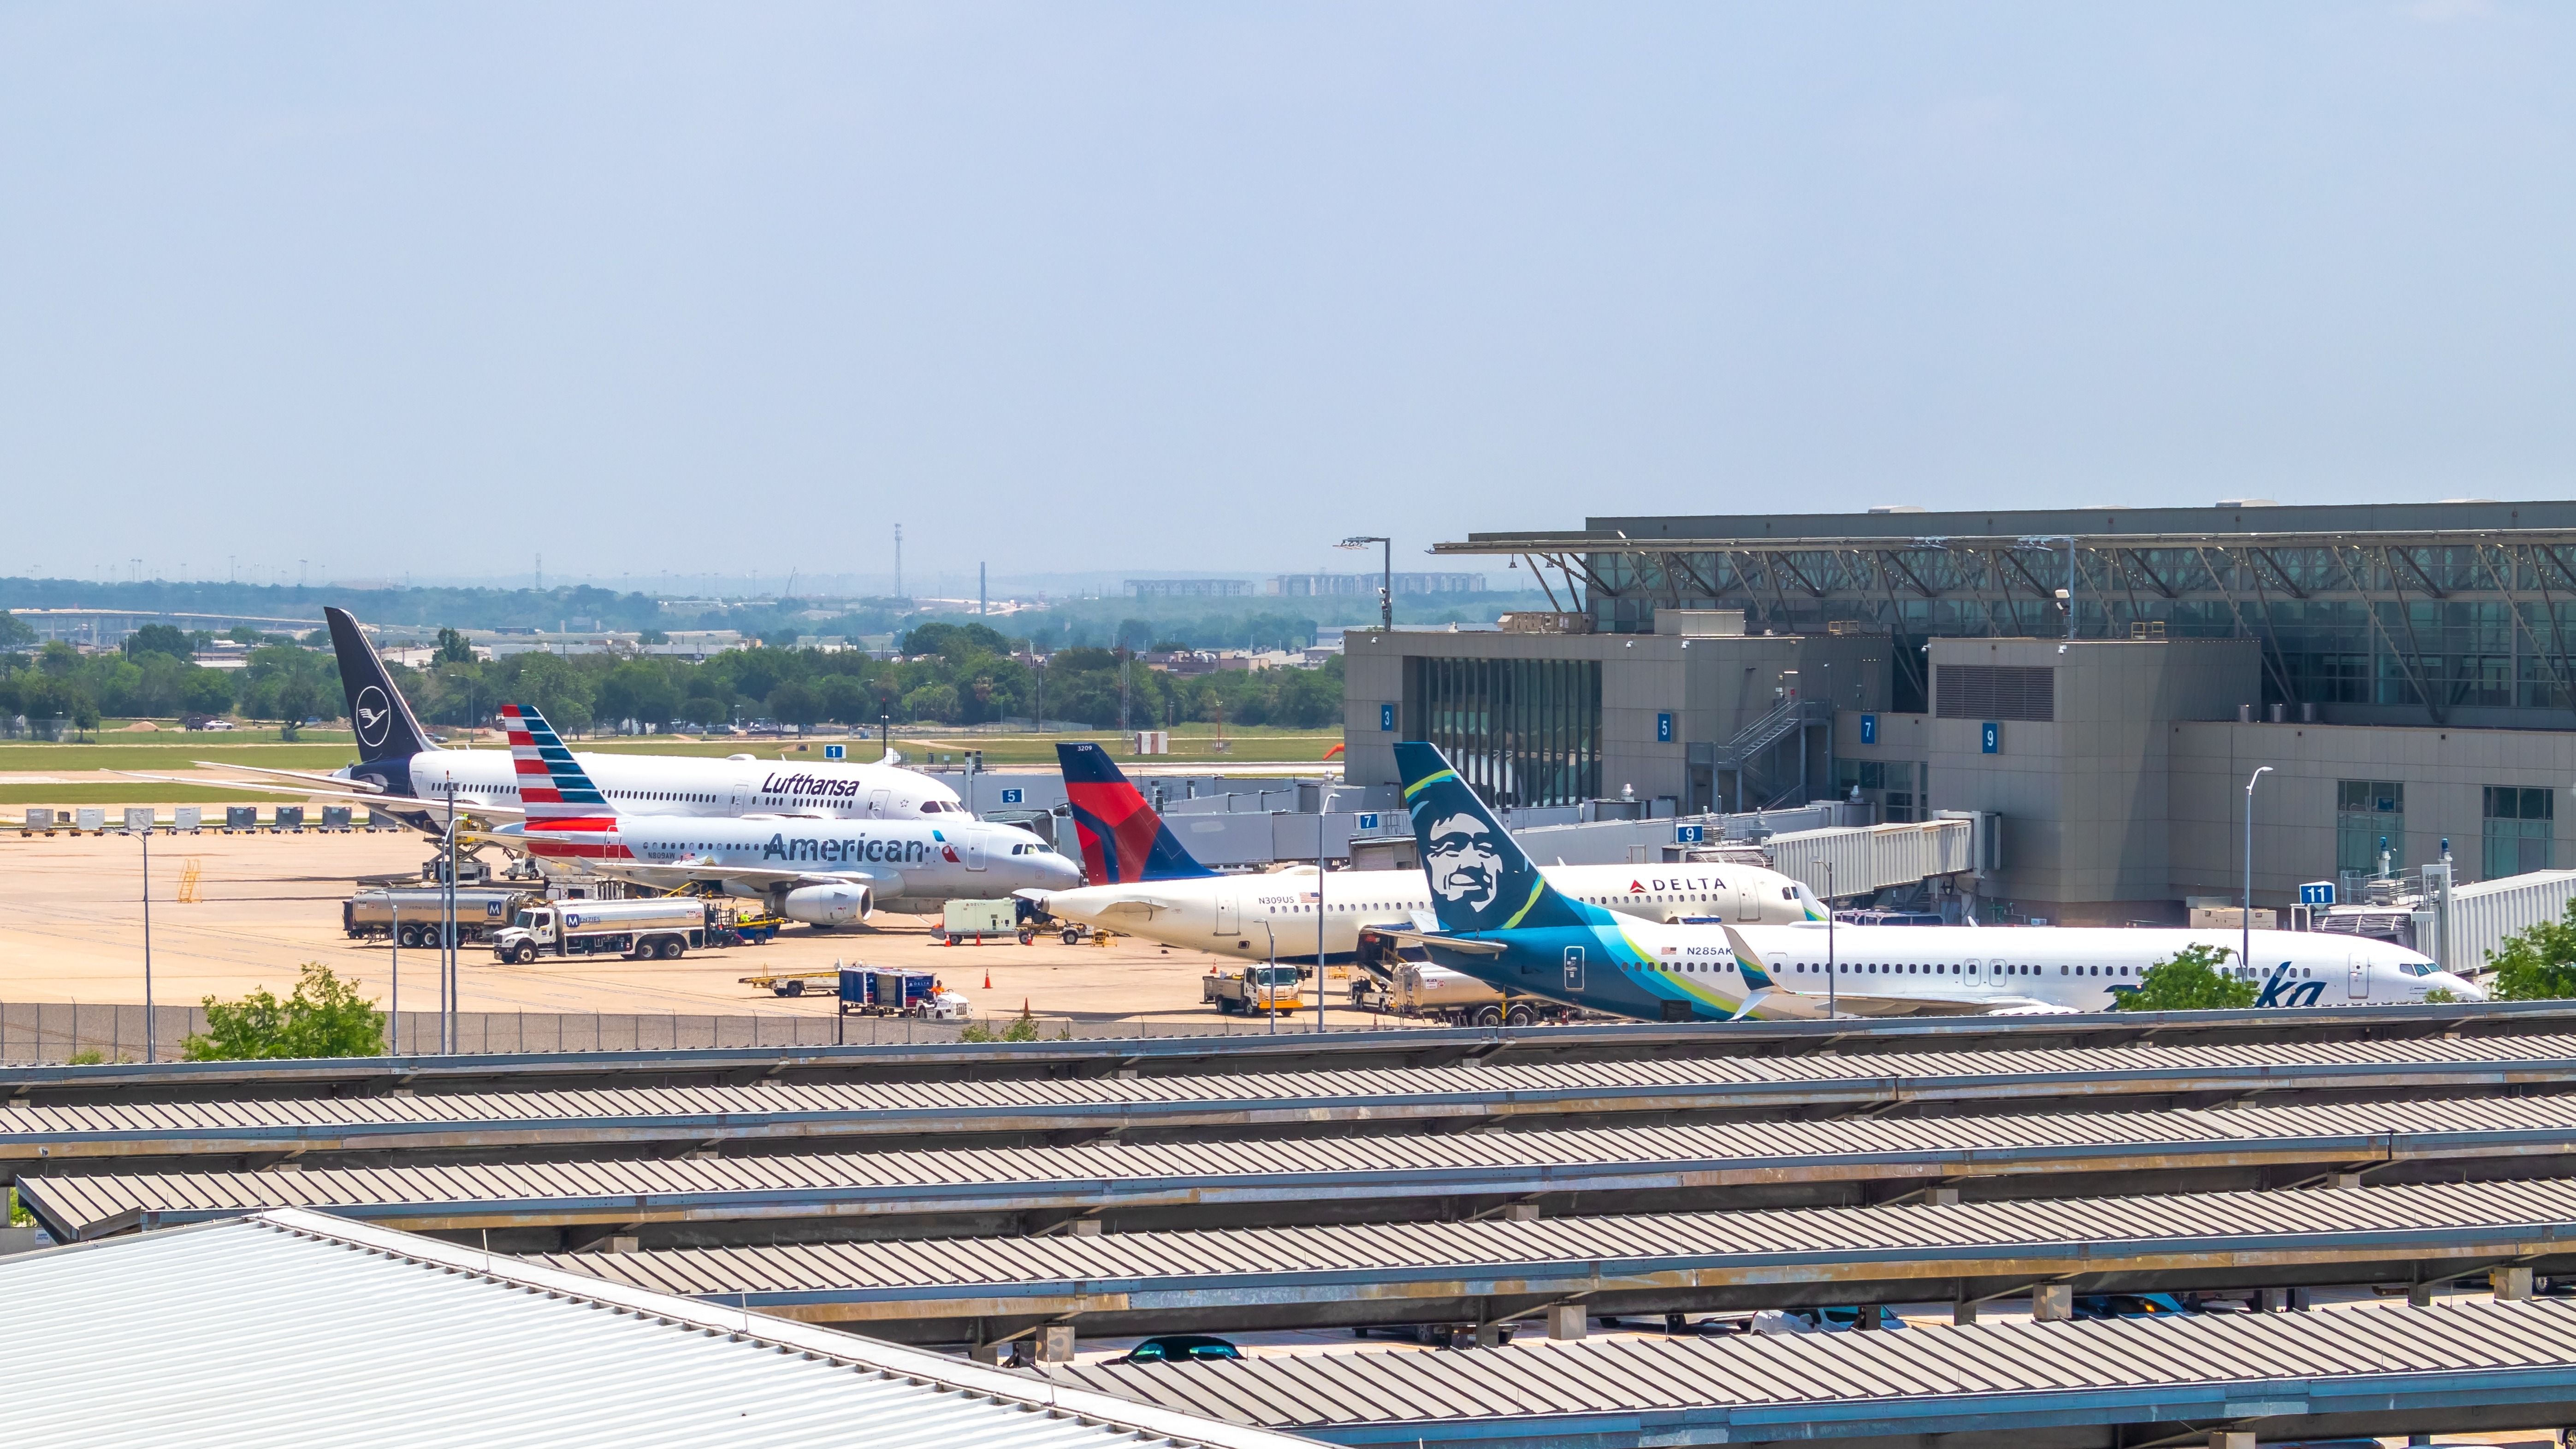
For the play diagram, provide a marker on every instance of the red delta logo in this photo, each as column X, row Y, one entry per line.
column 1636, row 887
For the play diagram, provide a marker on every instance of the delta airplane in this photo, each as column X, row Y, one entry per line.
column 399, row 770
column 1503, row 923
column 822, row 872
column 1143, row 881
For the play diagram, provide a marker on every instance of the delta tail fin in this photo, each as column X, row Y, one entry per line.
column 1481, row 880
column 1123, row 840
column 387, row 729
column 552, row 784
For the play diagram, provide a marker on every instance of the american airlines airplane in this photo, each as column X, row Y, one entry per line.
column 399, row 770
column 1502, row 922
column 820, row 871
column 1144, row 882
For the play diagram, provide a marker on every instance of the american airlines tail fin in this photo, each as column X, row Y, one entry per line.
column 386, row 728
column 1123, row 840
column 1481, row 880
column 552, row 784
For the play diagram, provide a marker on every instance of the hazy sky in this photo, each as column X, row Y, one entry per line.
column 433, row 288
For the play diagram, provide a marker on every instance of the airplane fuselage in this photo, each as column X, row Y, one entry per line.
column 1684, row 972
column 679, row 785
column 905, row 864
column 1273, row 916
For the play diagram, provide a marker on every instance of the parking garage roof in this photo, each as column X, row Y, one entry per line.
column 1383, row 1272
column 293, row 1329
column 1192, row 1176
column 495, row 1124
column 2378, row 1369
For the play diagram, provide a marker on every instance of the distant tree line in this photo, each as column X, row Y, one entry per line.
column 958, row 674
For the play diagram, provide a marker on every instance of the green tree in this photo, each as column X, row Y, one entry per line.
column 640, row 692
column 2188, row 980
column 793, row 703
column 2537, row 964
column 453, row 648
column 936, row 703
column 324, row 1018
column 159, row 639
column 844, row 698
column 14, row 633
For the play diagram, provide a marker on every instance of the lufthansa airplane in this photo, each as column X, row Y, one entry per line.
column 399, row 770
column 1503, row 923
column 1143, row 881
column 822, row 872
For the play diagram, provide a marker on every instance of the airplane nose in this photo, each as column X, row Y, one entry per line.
column 1061, row 873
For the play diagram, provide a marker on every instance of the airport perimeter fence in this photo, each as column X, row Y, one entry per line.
column 50, row 1033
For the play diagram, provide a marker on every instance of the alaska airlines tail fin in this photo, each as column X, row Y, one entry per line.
column 386, row 727
column 1123, row 840
column 1481, row 880
column 552, row 784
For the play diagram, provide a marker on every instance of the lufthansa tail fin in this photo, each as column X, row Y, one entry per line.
column 387, row 729
column 1123, row 840
column 552, row 784
column 1481, row 880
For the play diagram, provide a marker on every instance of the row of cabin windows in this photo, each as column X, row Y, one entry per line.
column 2001, row 968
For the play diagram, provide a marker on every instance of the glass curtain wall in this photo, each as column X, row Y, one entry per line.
column 2518, row 826
column 2366, row 813
column 1521, row 732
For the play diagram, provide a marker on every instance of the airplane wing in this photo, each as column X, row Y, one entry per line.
column 1403, row 937
column 306, row 776
column 355, row 792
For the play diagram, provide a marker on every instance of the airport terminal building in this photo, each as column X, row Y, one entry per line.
column 2097, row 683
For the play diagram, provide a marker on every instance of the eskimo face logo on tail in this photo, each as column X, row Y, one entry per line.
column 1466, row 869
column 375, row 716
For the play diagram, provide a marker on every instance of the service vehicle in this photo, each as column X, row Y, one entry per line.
column 1424, row 991
column 888, row 993
column 974, row 920
column 664, row 926
column 1265, row 989
column 413, row 917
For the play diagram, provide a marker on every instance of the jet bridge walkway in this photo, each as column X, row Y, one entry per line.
column 493, row 1127
column 988, row 1289
column 2122, row 1384
column 716, row 1201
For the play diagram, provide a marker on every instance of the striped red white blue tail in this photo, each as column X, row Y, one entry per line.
column 552, row 784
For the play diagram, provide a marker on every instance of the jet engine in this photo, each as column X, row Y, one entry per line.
column 826, row 905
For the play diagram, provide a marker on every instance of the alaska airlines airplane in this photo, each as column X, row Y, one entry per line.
column 1145, row 882
column 399, row 770
column 822, row 872
column 1503, row 923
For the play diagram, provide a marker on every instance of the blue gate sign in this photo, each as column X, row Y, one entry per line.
column 1663, row 729
column 1689, row 834
column 1386, row 716
column 1015, row 796
column 1993, row 742
column 2317, row 893
column 836, row 752
column 1368, row 820
column 1869, row 729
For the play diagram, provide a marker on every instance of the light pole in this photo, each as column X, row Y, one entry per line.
column 1386, row 574
column 149, row 1036
column 2245, row 912
column 1833, row 969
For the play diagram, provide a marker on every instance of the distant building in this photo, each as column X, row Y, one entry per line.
column 1312, row 585
column 1188, row 588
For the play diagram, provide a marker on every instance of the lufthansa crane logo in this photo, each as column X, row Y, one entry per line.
column 375, row 716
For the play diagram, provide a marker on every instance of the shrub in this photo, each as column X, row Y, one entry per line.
column 2537, row 964
column 324, row 1018
column 2188, row 980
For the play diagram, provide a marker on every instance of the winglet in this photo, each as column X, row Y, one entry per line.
column 1757, row 976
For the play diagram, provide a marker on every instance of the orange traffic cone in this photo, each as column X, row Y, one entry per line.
column 988, row 978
